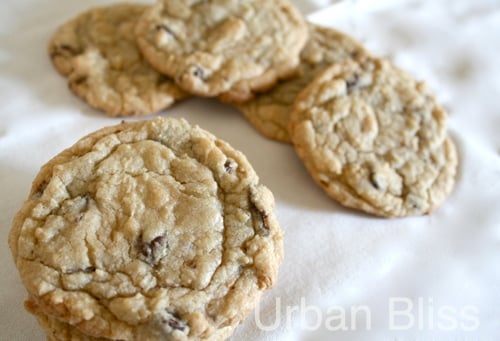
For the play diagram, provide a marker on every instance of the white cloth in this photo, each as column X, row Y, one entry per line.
column 343, row 270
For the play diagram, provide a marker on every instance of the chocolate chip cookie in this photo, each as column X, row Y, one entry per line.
column 374, row 139
column 269, row 112
column 228, row 48
column 149, row 230
column 98, row 54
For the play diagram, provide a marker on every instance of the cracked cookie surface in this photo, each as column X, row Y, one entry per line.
column 146, row 231
column 269, row 112
column 98, row 54
column 225, row 47
column 374, row 139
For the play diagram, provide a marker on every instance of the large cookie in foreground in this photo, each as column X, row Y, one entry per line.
column 228, row 48
column 98, row 54
column 374, row 139
column 269, row 112
column 146, row 231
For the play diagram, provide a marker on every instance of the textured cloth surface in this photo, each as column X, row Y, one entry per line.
column 346, row 275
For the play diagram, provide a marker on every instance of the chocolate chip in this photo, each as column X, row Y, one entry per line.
column 86, row 199
column 89, row 269
column 198, row 72
column 176, row 324
column 378, row 181
column 414, row 201
column 86, row 270
column 259, row 218
column 352, row 82
column 82, row 207
column 230, row 166
column 415, row 205
column 174, row 321
column 80, row 80
column 163, row 27
column 374, row 181
column 41, row 187
column 64, row 49
column 68, row 48
column 164, row 79
column 152, row 252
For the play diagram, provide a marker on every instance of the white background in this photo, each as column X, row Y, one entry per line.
column 335, row 258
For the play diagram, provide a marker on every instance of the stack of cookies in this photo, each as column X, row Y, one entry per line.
column 151, row 230
column 157, row 229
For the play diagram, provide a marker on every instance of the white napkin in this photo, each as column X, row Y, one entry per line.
column 346, row 275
